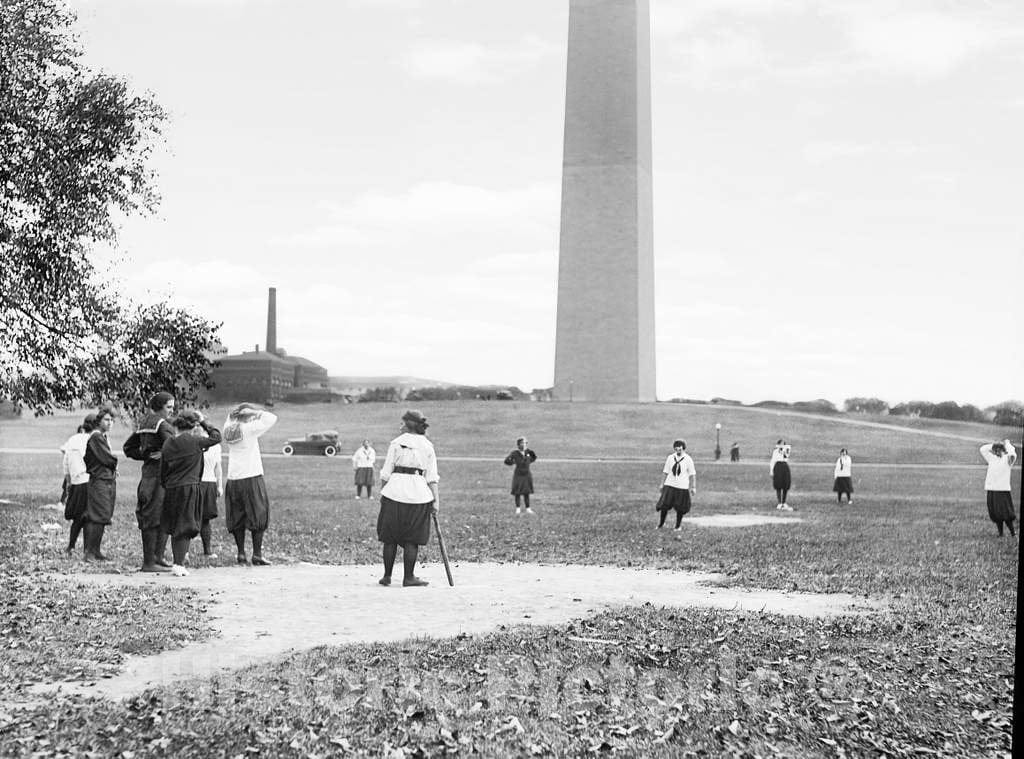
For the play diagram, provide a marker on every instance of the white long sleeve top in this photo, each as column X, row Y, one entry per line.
column 244, row 458
column 74, row 458
column 363, row 457
column 844, row 466
column 998, row 475
column 416, row 452
column 211, row 460
column 780, row 453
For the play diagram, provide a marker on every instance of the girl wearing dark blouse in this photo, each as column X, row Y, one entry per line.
column 181, row 471
column 522, row 478
column 101, row 464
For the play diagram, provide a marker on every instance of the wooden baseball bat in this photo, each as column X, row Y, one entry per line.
column 444, row 551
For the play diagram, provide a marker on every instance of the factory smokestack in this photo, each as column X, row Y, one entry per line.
column 272, row 321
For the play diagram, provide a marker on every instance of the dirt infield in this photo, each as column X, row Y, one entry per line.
column 266, row 612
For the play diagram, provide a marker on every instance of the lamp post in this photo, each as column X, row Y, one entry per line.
column 718, row 441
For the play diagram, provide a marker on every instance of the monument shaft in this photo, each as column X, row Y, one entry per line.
column 604, row 343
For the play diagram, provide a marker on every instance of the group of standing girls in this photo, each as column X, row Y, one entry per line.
column 181, row 481
column 782, row 475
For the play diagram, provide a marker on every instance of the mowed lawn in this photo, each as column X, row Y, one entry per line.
column 930, row 676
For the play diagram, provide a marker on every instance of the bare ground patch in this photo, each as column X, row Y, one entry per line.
column 265, row 613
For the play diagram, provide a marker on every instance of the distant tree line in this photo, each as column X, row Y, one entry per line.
column 443, row 393
column 1007, row 413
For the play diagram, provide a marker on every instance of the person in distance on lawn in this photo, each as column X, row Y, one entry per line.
column 843, row 477
column 522, row 479
column 778, row 467
column 76, row 495
column 211, row 486
column 998, row 497
column 246, row 505
column 408, row 497
column 362, row 461
column 734, row 452
column 101, row 464
column 679, row 485
column 144, row 445
column 181, row 474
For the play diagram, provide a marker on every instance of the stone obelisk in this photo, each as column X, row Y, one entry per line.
column 604, row 344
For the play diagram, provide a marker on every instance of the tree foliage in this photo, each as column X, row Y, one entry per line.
column 865, row 406
column 74, row 153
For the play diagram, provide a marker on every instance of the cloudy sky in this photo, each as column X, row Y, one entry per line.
column 839, row 202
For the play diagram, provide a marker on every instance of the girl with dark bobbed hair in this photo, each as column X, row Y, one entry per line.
column 181, row 471
column 408, row 497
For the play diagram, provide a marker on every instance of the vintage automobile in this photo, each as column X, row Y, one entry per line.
column 316, row 444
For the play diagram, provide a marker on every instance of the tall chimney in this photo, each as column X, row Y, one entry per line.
column 272, row 321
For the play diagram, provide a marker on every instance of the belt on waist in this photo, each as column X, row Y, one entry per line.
column 407, row 470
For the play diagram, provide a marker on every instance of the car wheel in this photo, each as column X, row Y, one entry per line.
column 287, row 450
column 330, row 450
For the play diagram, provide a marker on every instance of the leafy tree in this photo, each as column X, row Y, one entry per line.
column 1007, row 413
column 74, row 148
column 865, row 406
column 913, row 408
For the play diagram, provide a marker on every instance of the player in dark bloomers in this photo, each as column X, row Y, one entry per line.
column 145, row 445
column 181, row 474
column 522, row 479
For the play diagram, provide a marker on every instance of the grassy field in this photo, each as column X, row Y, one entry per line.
column 931, row 676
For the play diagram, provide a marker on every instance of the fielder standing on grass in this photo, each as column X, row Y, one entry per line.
column 522, row 479
column 362, row 462
column 782, row 478
column 998, row 497
column 843, row 477
column 679, row 485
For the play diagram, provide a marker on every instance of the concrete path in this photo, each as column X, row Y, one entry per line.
column 267, row 612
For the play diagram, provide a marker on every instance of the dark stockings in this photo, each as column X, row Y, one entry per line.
column 390, row 551
column 204, row 534
column 257, row 543
column 525, row 497
column 239, row 536
column 664, row 514
column 76, row 527
column 410, row 552
column 160, row 547
column 1009, row 524
column 369, row 490
column 781, row 494
column 179, row 547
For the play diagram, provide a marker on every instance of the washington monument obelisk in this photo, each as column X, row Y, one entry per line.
column 604, row 344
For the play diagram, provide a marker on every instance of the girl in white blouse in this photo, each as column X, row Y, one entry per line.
column 998, row 498
column 843, row 477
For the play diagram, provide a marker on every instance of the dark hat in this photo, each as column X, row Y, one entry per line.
column 412, row 415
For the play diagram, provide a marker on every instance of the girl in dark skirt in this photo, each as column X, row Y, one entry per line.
column 781, row 477
column 211, row 487
column 522, row 479
column 101, row 465
column 680, row 481
column 998, row 497
column 181, row 471
column 76, row 496
column 843, row 477
column 409, row 497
